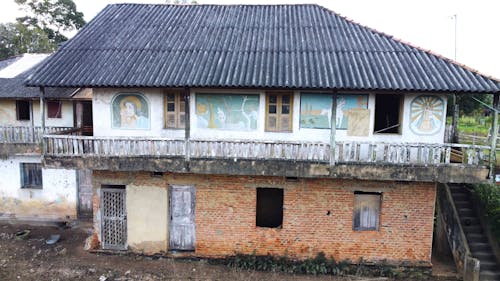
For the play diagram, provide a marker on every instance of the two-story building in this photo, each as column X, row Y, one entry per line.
column 274, row 129
column 29, row 191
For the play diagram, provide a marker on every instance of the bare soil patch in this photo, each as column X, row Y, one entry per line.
column 32, row 259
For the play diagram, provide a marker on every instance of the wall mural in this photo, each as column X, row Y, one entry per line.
column 426, row 115
column 229, row 112
column 130, row 111
column 316, row 109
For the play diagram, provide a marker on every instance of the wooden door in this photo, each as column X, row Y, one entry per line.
column 84, row 194
column 182, row 218
column 113, row 218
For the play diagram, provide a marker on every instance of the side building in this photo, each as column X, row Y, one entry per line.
column 273, row 129
column 29, row 191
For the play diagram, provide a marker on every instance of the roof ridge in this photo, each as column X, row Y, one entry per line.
column 216, row 5
column 412, row 45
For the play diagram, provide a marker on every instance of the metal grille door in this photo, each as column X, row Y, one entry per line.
column 114, row 218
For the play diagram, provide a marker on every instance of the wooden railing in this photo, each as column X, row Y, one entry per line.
column 411, row 153
column 67, row 145
column 26, row 134
column 345, row 152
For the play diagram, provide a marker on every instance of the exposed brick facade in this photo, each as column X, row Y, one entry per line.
column 317, row 216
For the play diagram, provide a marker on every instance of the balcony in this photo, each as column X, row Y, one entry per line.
column 355, row 160
column 24, row 139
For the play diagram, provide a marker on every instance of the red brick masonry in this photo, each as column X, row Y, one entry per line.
column 317, row 216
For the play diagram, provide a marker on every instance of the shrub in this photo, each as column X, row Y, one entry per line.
column 489, row 195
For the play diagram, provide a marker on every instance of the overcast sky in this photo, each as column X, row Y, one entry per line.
column 425, row 23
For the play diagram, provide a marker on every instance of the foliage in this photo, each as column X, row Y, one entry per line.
column 321, row 265
column 467, row 105
column 489, row 194
column 51, row 16
column 16, row 38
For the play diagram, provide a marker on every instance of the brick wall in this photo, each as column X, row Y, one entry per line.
column 317, row 216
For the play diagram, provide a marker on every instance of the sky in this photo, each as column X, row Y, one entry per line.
column 429, row 24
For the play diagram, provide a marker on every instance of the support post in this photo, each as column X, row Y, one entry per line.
column 33, row 130
column 333, row 129
column 494, row 135
column 454, row 121
column 42, row 116
column 187, row 126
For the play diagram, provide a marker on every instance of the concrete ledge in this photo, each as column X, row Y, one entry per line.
column 454, row 173
column 10, row 149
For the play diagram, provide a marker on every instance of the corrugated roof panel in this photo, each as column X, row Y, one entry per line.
column 276, row 46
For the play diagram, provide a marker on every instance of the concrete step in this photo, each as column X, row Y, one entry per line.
column 484, row 255
column 465, row 212
column 463, row 204
column 469, row 221
column 489, row 265
column 479, row 246
column 460, row 196
column 473, row 229
column 476, row 238
column 486, row 275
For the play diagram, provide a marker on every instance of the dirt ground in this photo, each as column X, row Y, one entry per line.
column 33, row 259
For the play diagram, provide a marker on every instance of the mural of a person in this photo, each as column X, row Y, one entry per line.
column 130, row 111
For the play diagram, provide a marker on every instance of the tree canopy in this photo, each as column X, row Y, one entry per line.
column 42, row 27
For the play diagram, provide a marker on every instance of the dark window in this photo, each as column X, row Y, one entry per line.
column 54, row 109
column 269, row 207
column 23, row 110
column 387, row 114
column 31, row 175
column 366, row 210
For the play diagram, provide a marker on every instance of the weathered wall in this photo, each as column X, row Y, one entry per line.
column 8, row 115
column 102, row 120
column 317, row 216
column 147, row 218
column 55, row 201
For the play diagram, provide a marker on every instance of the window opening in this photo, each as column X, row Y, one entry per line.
column 387, row 114
column 269, row 207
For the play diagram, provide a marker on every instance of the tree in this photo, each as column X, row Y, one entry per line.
column 16, row 38
column 52, row 17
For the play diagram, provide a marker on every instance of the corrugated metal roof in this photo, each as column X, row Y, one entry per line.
column 14, row 72
column 255, row 46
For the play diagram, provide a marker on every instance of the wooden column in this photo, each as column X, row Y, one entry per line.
column 333, row 129
column 494, row 135
column 42, row 115
column 187, row 125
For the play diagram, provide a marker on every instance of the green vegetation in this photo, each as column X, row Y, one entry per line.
column 41, row 29
column 323, row 265
column 489, row 194
column 473, row 125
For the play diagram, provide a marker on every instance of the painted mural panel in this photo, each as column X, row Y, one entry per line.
column 130, row 111
column 426, row 115
column 316, row 109
column 227, row 112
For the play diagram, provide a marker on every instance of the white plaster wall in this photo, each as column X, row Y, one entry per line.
column 66, row 119
column 8, row 115
column 102, row 121
column 57, row 200
column 101, row 105
column 147, row 233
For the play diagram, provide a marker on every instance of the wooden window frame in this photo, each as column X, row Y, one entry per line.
column 400, row 116
column 18, row 113
column 58, row 104
column 357, row 202
column 179, row 111
column 30, row 181
column 279, row 109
